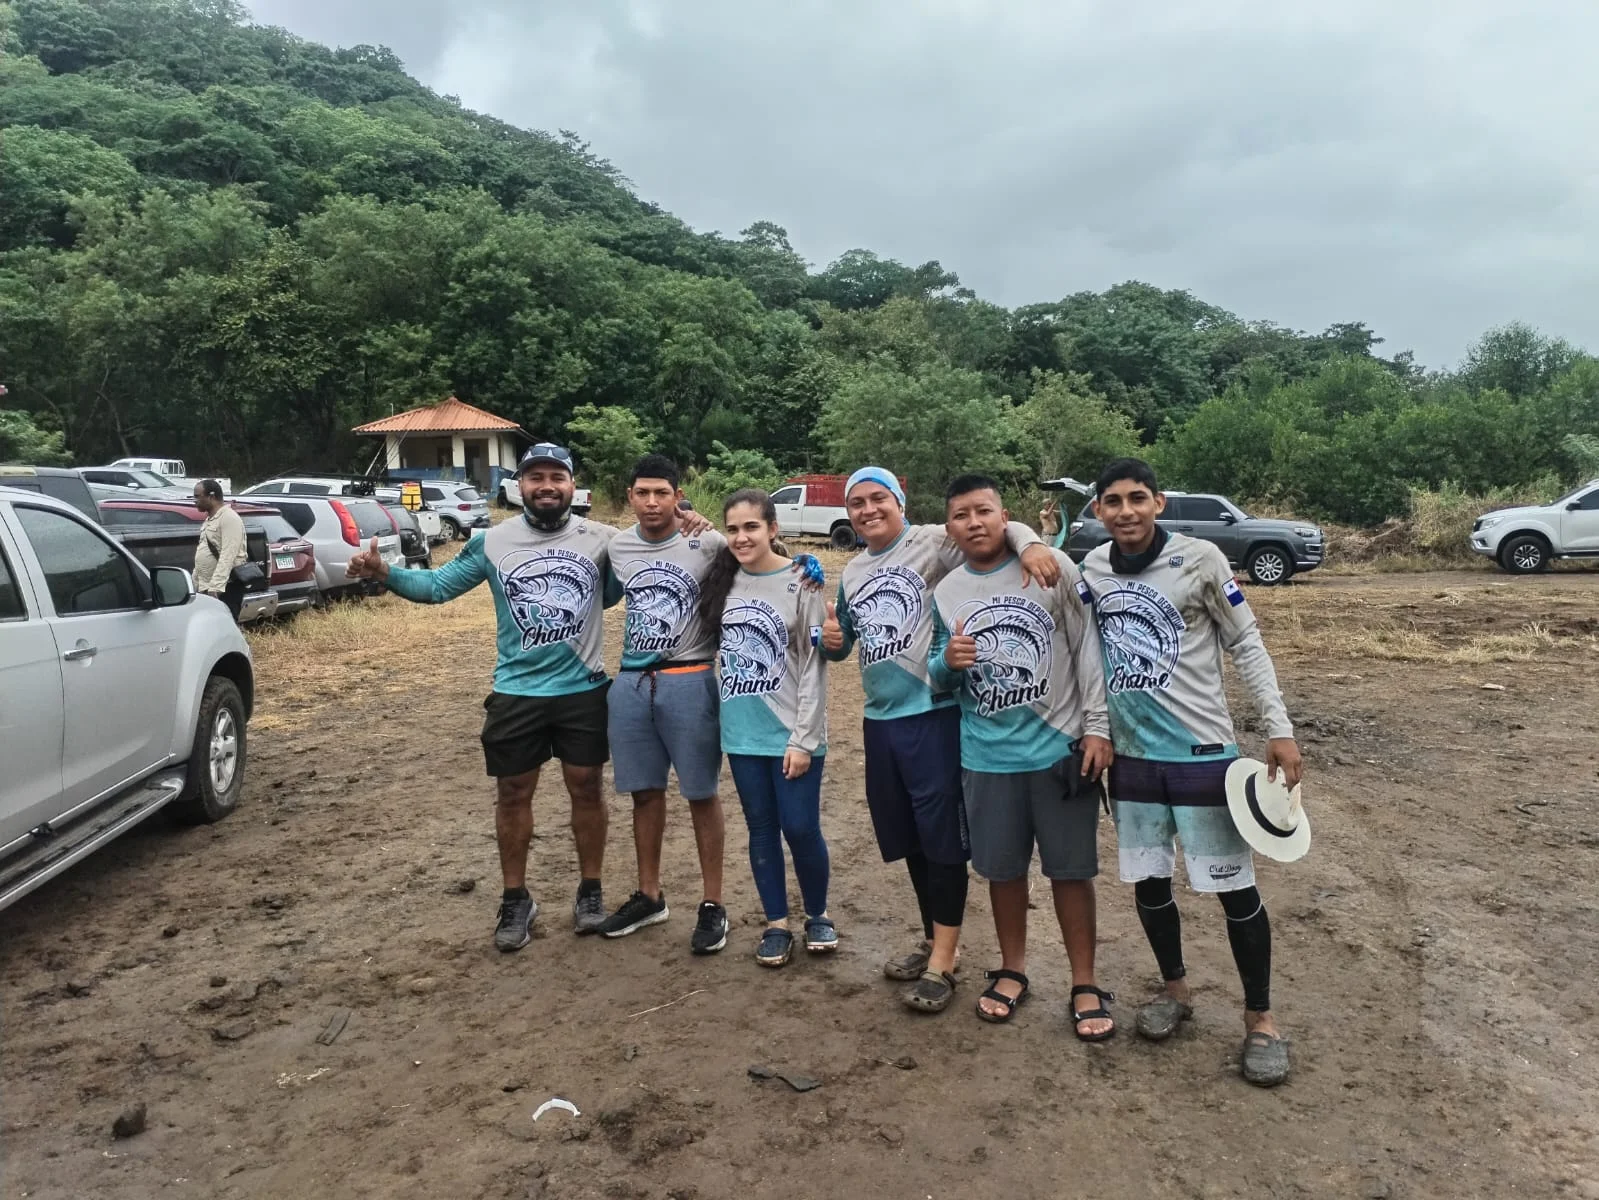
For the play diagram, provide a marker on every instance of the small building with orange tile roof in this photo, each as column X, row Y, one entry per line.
column 449, row 440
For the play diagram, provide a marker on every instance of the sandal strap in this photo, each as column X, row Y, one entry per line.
column 1093, row 1014
column 1086, row 989
column 1002, row 973
column 942, row 978
column 827, row 921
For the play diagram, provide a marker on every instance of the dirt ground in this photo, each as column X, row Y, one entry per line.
column 1435, row 957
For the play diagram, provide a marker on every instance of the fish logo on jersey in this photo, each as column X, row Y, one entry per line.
column 1142, row 634
column 549, row 592
column 886, row 611
column 753, row 656
column 1014, row 652
column 660, row 600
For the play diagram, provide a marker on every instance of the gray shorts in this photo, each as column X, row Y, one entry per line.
column 1007, row 815
column 664, row 719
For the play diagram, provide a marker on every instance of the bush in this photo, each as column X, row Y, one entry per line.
column 729, row 471
column 1440, row 521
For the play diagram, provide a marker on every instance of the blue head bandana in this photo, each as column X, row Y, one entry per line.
column 876, row 475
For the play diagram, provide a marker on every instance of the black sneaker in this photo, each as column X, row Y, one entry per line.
column 710, row 932
column 515, row 927
column 638, row 912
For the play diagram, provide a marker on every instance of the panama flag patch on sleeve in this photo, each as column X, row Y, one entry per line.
column 1083, row 594
column 1234, row 594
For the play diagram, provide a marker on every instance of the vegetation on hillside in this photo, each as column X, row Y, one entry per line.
column 222, row 242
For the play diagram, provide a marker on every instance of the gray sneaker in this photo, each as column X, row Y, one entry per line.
column 588, row 913
column 515, row 928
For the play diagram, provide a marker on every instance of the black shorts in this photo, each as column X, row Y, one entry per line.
column 522, row 733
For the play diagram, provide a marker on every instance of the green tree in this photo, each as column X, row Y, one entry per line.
column 927, row 426
column 1069, row 429
column 21, row 441
column 608, row 441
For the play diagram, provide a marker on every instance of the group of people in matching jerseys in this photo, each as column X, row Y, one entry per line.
column 1008, row 696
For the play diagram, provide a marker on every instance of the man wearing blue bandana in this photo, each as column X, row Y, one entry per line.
column 912, row 728
column 549, row 574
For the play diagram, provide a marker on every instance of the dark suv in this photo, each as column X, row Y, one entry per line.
column 1269, row 551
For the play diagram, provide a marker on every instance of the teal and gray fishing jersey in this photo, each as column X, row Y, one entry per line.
column 1163, row 631
column 661, row 583
column 1038, row 685
column 885, row 603
column 550, row 592
column 773, row 675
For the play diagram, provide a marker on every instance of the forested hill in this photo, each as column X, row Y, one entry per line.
column 220, row 241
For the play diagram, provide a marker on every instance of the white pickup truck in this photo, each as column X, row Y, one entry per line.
column 511, row 496
column 814, row 505
column 1524, row 540
column 174, row 469
column 121, row 692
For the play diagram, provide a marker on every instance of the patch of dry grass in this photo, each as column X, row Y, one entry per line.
column 1367, row 627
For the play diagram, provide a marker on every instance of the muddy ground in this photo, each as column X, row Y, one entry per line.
column 1435, row 959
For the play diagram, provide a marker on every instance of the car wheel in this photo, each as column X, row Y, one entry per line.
column 1269, row 566
column 216, row 760
column 1525, row 555
column 842, row 537
column 450, row 528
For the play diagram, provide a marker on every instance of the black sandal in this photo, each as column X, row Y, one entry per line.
column 1094, row 1014
column 1011, row 1003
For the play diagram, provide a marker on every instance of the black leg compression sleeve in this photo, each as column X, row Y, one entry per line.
column 1157, row 912
column 917, row 865
column 946, row 893
column 1249, row 933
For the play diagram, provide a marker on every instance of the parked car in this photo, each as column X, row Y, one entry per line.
column 1268, row 551
column 1524, row 540
column 511, row 496
column 412, row 542
column 173, row 469
column 58, row 482
column 108, row 483
column 814, row 504
column 461, row 507
column 287, row 558
column 166, row 533
column 331, row 485
column 121, row 693
column 337, row 528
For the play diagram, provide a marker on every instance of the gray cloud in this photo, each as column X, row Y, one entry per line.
column 1424, row 167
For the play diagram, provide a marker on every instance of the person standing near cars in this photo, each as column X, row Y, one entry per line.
column 548, row 572
column 773, row 689
column 222, row 547
column 1035, row 738
column 1167, row 607
column 911, row 729
column 663, row 705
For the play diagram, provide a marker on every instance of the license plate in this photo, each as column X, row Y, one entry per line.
column 283, row 562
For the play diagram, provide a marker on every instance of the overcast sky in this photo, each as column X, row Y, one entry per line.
column 1426, row 166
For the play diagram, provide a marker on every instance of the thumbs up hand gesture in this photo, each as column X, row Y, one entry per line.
column 832, row 631
column 961, row 652
column 368, row 564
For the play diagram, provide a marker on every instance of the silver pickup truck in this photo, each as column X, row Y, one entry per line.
column 121, row 692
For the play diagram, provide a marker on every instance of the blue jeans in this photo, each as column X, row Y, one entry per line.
column 778, row 809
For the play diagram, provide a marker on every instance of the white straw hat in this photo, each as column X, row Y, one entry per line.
column 1270, row 817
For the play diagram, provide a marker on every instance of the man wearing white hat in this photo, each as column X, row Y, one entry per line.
column 1167, row 607
column 912, row 728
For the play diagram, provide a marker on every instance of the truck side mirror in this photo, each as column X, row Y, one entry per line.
column 1227, row 518
column 173, row 586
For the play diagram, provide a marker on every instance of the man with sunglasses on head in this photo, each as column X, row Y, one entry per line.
column 549, row 573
